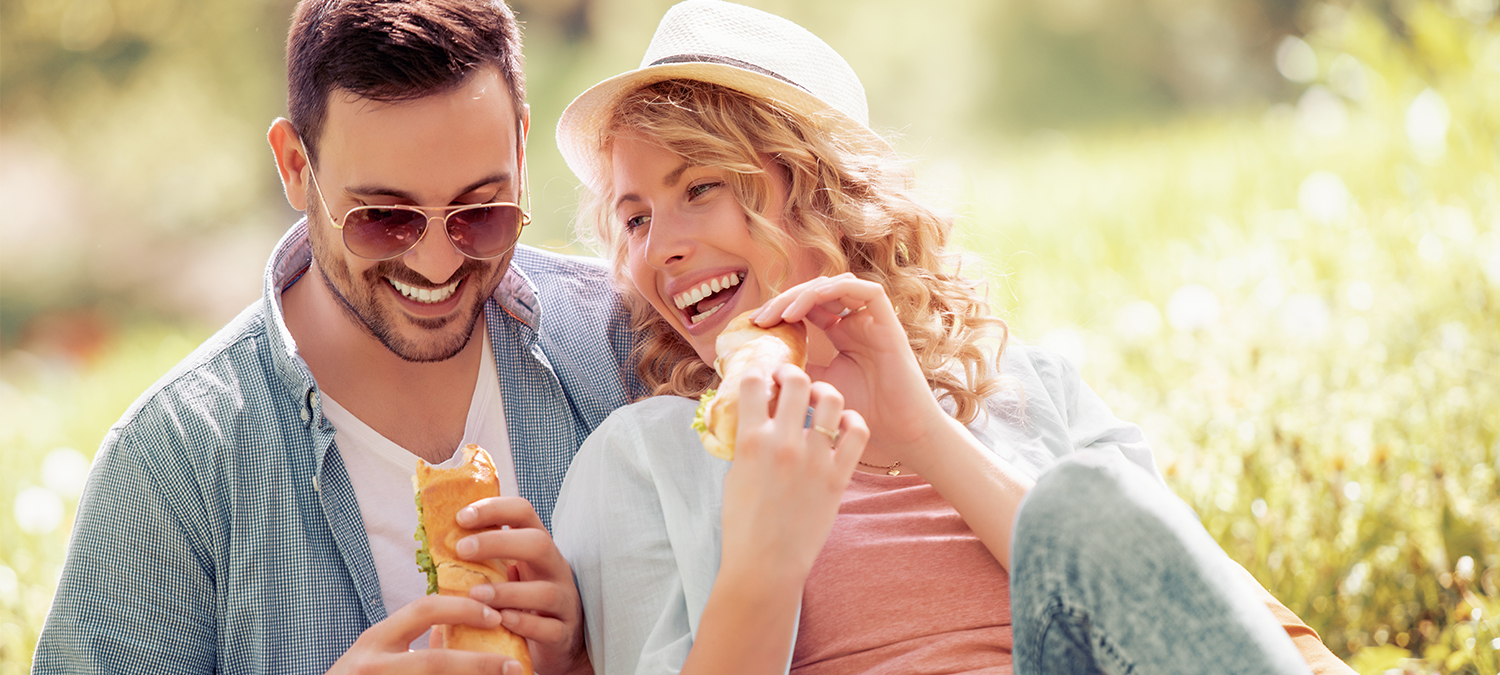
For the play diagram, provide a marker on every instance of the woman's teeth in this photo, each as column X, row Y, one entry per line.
column 707, row 288
column 700, row 317
column 424, row 295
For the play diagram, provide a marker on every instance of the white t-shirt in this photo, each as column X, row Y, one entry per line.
column 381, row 472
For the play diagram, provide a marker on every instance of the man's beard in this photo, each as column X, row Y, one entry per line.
column 360, row 303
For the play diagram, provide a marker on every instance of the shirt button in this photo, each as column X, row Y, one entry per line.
column 303, row 413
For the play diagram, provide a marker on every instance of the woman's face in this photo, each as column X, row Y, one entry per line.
column 690, row 250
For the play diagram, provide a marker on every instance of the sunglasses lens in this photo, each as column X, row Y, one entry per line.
column 485, row 231
column 379, row 233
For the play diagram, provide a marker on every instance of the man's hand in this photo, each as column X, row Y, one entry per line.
column 386, row 646
column 540, row 602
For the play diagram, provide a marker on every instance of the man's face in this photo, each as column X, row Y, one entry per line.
column 458, row 147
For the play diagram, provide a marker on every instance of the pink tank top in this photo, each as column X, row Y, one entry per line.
column 903, row 586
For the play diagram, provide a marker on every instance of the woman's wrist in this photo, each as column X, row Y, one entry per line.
column 758, row 583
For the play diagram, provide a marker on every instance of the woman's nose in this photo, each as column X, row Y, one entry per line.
column 668, row 241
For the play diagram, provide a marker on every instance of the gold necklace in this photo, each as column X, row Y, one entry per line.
column 892, row 470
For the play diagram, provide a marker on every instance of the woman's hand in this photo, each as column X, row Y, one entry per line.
column 783, row 491
column 875, row 368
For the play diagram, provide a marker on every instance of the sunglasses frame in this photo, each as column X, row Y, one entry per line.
column 423, row 210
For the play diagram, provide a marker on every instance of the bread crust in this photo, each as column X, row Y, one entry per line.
column 444, row 492
column 743, row 347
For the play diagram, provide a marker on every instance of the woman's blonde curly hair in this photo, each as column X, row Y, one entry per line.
column 850, row 205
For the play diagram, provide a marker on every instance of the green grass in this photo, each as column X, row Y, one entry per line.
column 1307, row 327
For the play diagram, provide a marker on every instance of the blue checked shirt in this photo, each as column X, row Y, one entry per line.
column 219, row 532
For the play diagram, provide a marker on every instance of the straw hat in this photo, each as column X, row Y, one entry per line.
column 732, row 45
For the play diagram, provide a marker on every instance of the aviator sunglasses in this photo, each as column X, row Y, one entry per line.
column 479, row 231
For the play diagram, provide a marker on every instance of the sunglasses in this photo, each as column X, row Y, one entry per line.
column 479, row 231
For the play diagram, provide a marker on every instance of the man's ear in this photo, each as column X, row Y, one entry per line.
column 291, row 160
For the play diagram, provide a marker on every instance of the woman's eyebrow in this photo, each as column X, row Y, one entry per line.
column 667, row 181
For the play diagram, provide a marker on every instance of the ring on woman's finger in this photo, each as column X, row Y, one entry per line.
column 832, row 434
column 845, row 313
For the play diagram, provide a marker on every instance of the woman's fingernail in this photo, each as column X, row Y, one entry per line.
column 510, row 618
column 467, row 515
column 482, row 593
column 467, row 547
column 492, row 618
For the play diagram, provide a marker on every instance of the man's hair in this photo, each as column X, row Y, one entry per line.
column 850, row 205
column 394, row 50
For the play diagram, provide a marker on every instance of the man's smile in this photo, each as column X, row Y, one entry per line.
column 425, row 295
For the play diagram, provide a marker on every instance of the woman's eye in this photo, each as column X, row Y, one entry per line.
column 698, row 190
column 636, row 222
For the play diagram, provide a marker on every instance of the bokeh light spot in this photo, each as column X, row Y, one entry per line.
column 1427, row 126
column 1192, row 307
column 64, row 471
column 1321, row 113
column 1323, row 197
column 1430, row 248
column 38, row 510
column 1295, row 60
column 1138, row 320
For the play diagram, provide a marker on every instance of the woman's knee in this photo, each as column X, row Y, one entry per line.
column 1097, row 499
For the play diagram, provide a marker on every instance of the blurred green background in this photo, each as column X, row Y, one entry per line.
column 1268, row 231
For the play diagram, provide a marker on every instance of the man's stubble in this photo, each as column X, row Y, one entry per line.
column 361, row 305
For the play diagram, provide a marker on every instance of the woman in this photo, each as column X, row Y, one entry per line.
column 870, row 522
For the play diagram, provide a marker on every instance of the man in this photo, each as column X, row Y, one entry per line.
column 252, row 512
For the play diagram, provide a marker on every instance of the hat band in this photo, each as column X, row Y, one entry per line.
column 724, row 61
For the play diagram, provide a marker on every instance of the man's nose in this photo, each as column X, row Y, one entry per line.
column 435, row 256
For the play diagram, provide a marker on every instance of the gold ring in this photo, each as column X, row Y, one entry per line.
column 832, row 434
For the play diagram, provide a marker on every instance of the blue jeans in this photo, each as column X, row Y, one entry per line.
column 1112, row 573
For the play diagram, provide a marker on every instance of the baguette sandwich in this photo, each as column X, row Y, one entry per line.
column 441, row 493
column 741, row 348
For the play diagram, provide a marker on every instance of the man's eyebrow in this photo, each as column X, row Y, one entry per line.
column 381, row 190
column 668, row 181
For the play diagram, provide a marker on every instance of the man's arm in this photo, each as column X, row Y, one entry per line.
column 137, row 589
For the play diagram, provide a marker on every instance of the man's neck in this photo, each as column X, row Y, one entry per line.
column 422, row 407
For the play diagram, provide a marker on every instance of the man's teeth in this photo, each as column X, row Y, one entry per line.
column 707, row 288
column 427, row 295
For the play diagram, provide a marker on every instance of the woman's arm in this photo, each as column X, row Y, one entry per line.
column 640, row 520
column 879, row 376
column 780, row 499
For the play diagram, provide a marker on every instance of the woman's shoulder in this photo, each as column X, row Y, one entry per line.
column 652, row 436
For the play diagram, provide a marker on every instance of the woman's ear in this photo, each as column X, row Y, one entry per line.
column 291, row 159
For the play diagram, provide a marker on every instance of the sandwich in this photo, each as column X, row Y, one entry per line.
column 743, row 347
column 441, row 493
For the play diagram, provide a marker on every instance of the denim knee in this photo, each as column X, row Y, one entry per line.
column 1102, row 492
